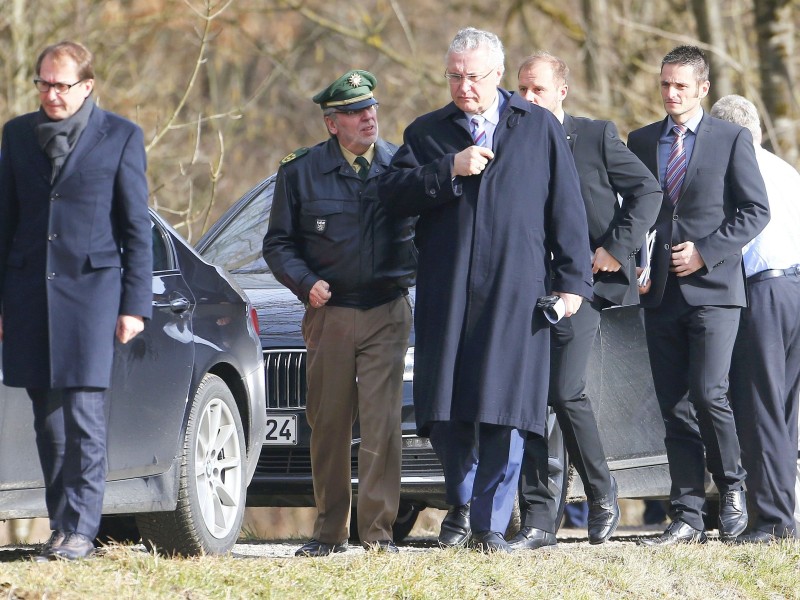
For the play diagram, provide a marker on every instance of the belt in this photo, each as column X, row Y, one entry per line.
column 770, row 273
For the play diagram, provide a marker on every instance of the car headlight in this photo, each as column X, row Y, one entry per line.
column 408, row 365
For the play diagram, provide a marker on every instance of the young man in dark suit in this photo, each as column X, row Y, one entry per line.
column 608, row 172
column 75, row 273
column 714, row 203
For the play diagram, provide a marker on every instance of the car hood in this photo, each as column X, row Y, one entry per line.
column 279, row 311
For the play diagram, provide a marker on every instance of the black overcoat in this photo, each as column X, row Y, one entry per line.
column 488, row 248
column 74, row 254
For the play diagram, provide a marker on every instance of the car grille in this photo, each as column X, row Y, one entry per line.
column 286, row 378
column 297, row 462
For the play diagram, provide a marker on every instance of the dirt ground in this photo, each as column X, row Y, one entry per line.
column 279, row 524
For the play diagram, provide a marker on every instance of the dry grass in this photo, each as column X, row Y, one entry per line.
column 572, row 570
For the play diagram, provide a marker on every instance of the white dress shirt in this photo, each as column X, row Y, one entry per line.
column 778, row 245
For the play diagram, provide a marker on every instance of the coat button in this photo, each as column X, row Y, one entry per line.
column 51, row 275
column 432, row 191
column 674, row 217
column 666, row 246
column 52, row 236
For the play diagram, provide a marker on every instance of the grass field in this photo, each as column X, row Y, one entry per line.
column 619, row 569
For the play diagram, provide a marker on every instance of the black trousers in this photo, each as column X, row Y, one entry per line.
column 765, row 383
column 70, row 427
column 570, row 347
column 690, row 354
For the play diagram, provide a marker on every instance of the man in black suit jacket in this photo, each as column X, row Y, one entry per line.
column 711, row 209
column 606, row 169
column 75, row 273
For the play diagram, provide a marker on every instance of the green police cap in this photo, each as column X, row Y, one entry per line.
column 352, row 91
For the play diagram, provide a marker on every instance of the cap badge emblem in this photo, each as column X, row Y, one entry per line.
column 354, row 80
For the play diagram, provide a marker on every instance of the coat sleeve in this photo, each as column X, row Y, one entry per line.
column 280, row 246
column 640, row 192
column 567, row 231
column 749, row 195
column 416, row 183
column 8, row 208
column 130, row 197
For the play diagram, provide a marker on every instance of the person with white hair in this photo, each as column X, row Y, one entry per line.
column 765, row 367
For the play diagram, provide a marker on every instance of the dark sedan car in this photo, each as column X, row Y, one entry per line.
column 186, row 415
column 621, row 390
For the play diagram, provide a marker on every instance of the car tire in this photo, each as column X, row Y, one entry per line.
column 211, row 495
column 558, row 474
column 407, row 515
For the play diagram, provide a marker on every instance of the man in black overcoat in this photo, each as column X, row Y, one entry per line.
column 75, row 272
column 501, row 224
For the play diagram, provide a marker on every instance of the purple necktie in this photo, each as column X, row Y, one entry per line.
column 676, row 165
column 478, row 132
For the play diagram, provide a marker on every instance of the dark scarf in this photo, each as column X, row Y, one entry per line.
column 58, row 138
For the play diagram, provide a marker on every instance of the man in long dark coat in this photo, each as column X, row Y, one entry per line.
column 501, row 224
column 75, row 272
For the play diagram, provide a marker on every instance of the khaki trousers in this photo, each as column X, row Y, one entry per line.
column 355, row 369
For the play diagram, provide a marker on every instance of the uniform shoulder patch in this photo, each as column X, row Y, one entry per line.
column 292, row 155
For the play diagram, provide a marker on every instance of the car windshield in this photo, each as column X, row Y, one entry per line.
column 237, row 245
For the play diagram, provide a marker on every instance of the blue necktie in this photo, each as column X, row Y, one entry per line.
column 478, row 132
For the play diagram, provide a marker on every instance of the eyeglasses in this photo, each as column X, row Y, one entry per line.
column 454, row 78
column 358, row 111
column 60, row 87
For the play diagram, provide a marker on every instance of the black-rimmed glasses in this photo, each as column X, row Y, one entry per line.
column 59, row 86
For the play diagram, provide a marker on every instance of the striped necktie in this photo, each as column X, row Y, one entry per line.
column 478, row 132
column 676, row 165
column 363, row 167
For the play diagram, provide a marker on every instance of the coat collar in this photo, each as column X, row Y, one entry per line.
column 332, row 158
column 511, row 105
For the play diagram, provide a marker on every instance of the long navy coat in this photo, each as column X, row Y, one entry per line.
column 485, row 243
column 73, row 255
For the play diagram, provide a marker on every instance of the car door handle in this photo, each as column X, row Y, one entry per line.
column 177, row 304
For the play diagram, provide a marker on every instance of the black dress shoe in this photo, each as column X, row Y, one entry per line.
column 53, row 542
column 489, row 542
column 678, row 532
column 531, row 538
column 604, row 516
column 381, row 546
column 732, row 515
column 756, row 537
column 315, row 548
column 74, row 547
column 455, row 531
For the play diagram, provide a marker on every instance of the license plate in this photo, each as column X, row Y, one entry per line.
column 281, row 430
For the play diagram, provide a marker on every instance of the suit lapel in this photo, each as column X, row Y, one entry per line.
column 37, row 158
column 703, row 134
column 95, row 131
column 571, row 131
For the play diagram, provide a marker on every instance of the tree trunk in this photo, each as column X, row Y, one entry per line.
column 775, row 29
column 711, row 30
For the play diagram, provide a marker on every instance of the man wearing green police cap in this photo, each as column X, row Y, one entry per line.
column 332, row 244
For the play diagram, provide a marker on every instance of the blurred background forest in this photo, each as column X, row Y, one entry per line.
column 222, row 88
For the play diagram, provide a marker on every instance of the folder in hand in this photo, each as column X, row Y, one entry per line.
column 646, row 258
